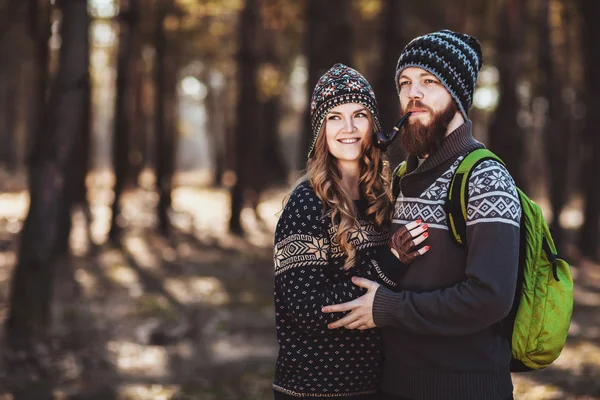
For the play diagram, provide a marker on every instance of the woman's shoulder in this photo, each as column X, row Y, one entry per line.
column 304, row 200
column 302, row 214
column 304, row 190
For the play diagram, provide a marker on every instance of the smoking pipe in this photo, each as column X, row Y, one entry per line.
column 382, row 140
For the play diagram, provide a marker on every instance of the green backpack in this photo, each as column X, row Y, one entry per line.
column 538, row 323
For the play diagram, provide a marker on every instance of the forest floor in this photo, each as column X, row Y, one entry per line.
column 192, row 317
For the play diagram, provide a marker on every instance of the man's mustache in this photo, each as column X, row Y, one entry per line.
column 418, row 105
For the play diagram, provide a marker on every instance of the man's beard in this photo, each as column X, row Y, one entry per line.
column 421, row 140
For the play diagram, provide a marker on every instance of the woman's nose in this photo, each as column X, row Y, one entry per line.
column 348, row 125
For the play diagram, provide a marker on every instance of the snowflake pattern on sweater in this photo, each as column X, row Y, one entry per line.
column 493, row 195
column 429, row 207
column 492, row 198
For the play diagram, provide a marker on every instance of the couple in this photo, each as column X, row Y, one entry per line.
column 373, row 299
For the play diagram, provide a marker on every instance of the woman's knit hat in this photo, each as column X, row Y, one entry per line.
column 454, row 58
column 340, row 85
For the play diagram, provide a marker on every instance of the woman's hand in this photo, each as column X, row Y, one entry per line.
column 404, row 241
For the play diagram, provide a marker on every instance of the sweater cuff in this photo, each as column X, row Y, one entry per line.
column 390, row 270
column 384, row 306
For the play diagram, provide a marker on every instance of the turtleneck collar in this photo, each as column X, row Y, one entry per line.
column 420, row 177
column 459, row 141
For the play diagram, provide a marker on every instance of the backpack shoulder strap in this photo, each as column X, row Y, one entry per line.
column 458, row 193
column 398, row 173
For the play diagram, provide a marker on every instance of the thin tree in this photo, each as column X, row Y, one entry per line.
column 8, row 16
column 217, row 117
column 506, row 137
column 275, row 165
column 590, row 232
column 138, row 142
column 9, row 84
column 40, row 32
column 128, row 17
column 272, row 168
column 165, row 114
column 248, row 108
column 557, row 134
column 138, row 76
column 57, row 138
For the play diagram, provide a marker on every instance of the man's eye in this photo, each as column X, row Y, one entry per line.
column 430, row 81
column 404, row 83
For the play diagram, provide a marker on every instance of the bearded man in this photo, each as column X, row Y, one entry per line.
column 441, row 329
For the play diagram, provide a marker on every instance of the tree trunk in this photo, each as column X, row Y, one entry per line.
column 556, row 125
column 24, row 106
column 590, row 232
column 8, row 16
column 11, row 125
column 506, row 137
column 165, row 106
column 77, row 170
column 248, row 107
column 138, row 138
column 394, row 39
column 328, row 41
column 122, row 119
column 271, row 154
column 217, row 124
column 275, row 167
column 8, row 94
column 55, row 142
column 40, row 25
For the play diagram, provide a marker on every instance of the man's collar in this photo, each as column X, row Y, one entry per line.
column 457, row 142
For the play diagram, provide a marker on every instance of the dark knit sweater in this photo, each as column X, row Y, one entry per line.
column 440, row 329
column 313, row 360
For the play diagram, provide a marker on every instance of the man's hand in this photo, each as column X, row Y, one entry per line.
column 361, row 317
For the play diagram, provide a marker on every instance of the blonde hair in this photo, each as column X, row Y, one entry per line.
column 374, row 183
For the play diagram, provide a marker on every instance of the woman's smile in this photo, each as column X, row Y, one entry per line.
column 349, row 140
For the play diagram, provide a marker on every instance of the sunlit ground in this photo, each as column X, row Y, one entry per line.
column 191, row 317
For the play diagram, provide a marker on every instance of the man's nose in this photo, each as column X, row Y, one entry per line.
column 415, row 92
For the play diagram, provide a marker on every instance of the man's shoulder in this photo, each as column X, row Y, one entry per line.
column 492, row 195
column 491, row 175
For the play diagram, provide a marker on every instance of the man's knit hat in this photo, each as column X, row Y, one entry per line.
column 340, row 85
column 454, row 58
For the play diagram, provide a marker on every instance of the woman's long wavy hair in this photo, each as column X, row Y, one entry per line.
column 326, row 179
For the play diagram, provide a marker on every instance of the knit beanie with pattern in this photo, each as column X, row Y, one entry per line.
column 340, row 85
column 454, row 58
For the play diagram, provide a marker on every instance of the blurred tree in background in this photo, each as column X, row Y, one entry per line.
column 53, row 173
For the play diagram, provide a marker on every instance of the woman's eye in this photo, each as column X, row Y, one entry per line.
column 361, row 115
column 333, row 117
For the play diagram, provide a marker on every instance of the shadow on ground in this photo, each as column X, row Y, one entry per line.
column 191, row 317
